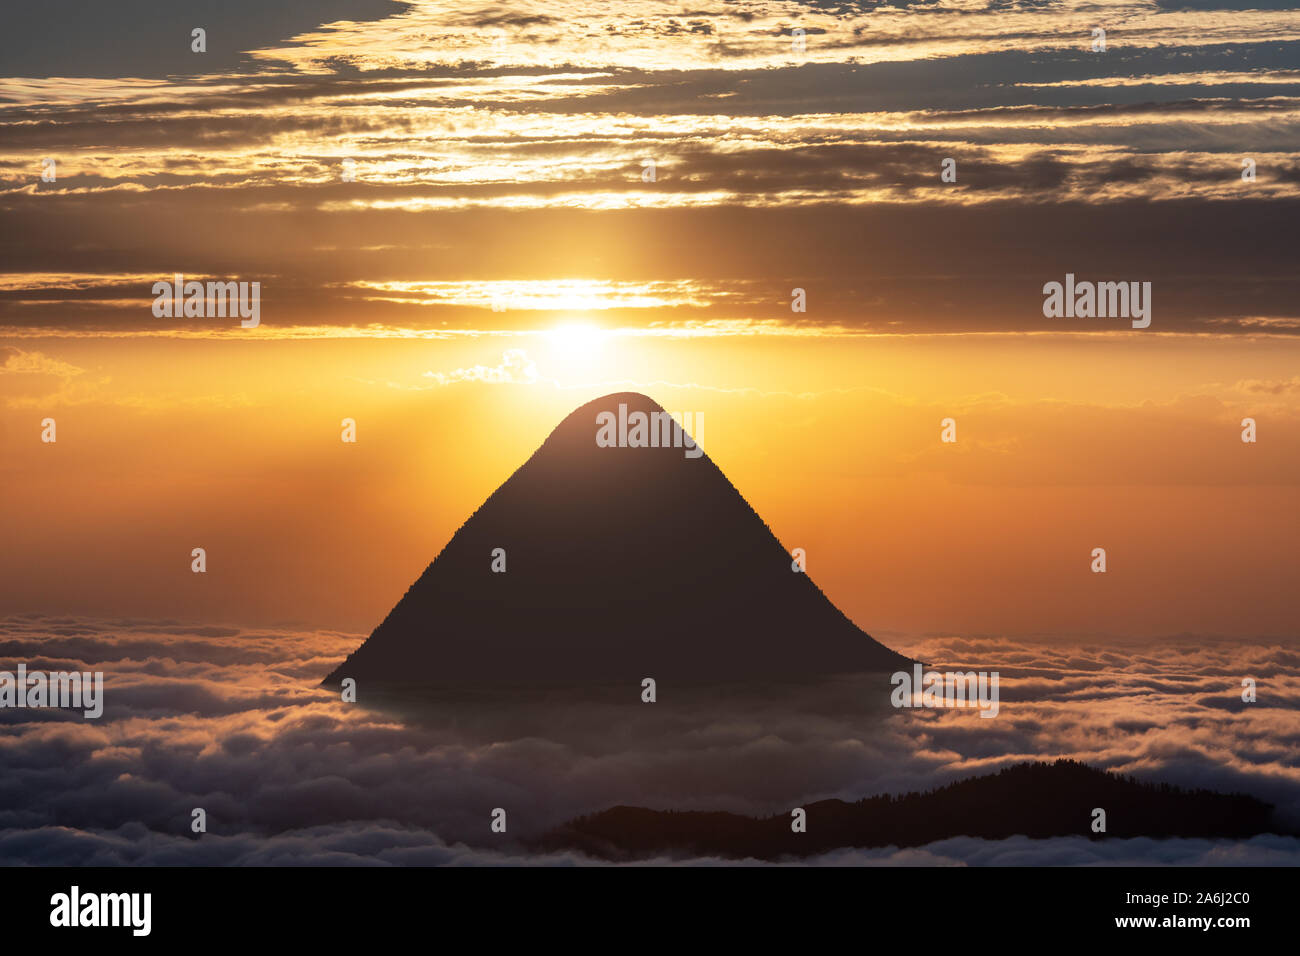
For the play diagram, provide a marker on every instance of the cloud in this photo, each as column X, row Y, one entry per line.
column 516, row 368
column 66, row 38
column 232, row 721
column 30, row 379
column 18, row 361
column 1275, row 387
column 506, row 131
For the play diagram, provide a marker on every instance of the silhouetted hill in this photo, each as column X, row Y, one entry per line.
column 622, row 563
column 1037, row 800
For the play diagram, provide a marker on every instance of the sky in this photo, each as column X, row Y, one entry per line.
column 458, row 240
column 468, row 220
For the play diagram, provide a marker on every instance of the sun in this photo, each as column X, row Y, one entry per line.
column 576, row 340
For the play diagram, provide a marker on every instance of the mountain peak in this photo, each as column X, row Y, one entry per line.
column 600, row 561
column 620, row 414
column 635, row 401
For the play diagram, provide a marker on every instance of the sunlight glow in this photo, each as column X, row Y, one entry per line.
column 576, row 339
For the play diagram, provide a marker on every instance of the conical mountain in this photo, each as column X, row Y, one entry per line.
column 621, row 563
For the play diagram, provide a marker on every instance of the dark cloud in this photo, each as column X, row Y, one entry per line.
column 152, row 37
column 1067, row 161
column 1227, row 4
column 935, row 266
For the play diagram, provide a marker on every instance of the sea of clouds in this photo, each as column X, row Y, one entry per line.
column 232, row 721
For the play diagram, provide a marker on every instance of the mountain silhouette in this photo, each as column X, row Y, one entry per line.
column 1038, row 800
column 621, row 563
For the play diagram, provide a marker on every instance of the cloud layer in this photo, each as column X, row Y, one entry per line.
column 232, row 721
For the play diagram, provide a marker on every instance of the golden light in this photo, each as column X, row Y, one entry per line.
column 576, row 340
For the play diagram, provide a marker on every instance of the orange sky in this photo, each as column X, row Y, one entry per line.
column 1064, row 444
column 389, row 176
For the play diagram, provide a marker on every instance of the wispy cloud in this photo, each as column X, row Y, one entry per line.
column 516, row 368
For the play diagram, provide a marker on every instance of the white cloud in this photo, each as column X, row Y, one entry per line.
column 516, row 368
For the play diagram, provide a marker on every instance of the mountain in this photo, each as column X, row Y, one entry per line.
column 621, row 563
column 1037, row 800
